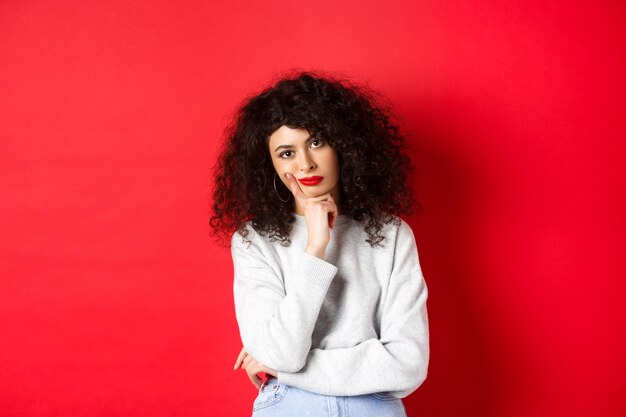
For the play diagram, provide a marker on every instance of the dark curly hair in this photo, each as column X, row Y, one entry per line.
column 374, row 171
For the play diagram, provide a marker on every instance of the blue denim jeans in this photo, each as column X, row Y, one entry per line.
column 279, row 400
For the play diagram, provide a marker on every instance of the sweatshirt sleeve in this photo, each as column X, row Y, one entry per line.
column 397, row 362
column 276, row 325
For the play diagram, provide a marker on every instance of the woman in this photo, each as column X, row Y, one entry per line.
column 329, row 294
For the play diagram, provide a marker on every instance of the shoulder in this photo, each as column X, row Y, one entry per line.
column 389, row 231
column 405, row 232
column 249, row 238
column 243, row 241
column 399, row 237
column 398, row 230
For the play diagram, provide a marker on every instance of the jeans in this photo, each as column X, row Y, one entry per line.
column 279, row 400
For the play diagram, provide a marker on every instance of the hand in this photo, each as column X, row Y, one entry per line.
column 320, row 213
column 253, row 368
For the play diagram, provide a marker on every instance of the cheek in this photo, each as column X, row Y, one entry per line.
column 278, row 167
column 334, row 163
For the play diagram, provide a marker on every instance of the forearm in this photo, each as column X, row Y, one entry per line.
column 398, row 368
column 282, row 339
column 395, row 363
column 277, row 330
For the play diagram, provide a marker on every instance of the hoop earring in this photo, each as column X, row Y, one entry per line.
column 284, row 201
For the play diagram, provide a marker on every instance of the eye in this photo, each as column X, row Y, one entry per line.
column 283, row 153
column 320, row 141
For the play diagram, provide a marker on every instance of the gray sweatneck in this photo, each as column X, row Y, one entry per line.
column 352, row 323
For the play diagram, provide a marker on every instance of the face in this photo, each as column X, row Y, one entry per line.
column 303, row 156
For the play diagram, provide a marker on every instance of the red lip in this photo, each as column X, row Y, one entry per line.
column 311, row 180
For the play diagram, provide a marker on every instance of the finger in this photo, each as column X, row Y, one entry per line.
column 246, row 362
column 294, row 187
column 253, row 373
column 255, row 379
column 323, row 197
column 242, row 354
column 331, row 207
column 333, row 212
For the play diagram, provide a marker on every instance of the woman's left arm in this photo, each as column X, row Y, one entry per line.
column 397, row 362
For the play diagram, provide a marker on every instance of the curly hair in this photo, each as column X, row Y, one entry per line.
column 350, row 117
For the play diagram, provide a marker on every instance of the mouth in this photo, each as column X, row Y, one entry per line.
column 310, row 180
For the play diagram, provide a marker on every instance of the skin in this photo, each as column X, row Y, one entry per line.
column 295, row 153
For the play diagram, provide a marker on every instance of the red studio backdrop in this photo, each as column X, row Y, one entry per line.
column 115, row 301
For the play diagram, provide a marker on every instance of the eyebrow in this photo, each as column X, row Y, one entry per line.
column 291, row 146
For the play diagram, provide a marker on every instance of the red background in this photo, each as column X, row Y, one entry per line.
column 115, row 301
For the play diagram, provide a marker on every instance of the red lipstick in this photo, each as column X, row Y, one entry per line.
column 311, row 180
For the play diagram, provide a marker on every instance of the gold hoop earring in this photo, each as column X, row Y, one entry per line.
column 284, row 201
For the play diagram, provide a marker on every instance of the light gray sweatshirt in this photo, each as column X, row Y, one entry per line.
column 352, row 323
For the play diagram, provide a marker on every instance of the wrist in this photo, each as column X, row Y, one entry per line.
column 318, row 251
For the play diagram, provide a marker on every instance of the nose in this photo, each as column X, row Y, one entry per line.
column 306, row 163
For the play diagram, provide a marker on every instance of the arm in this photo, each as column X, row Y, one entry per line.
column 276, row 325
column 398, row 361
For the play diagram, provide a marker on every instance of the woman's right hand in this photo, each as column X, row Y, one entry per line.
column 320, row 214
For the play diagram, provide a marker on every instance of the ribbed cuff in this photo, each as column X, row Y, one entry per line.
column 289, row 378
column 317, row 271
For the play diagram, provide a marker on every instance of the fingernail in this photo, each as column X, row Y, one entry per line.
column 287, row 175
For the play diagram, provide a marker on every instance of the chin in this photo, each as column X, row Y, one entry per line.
column 312, row 194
